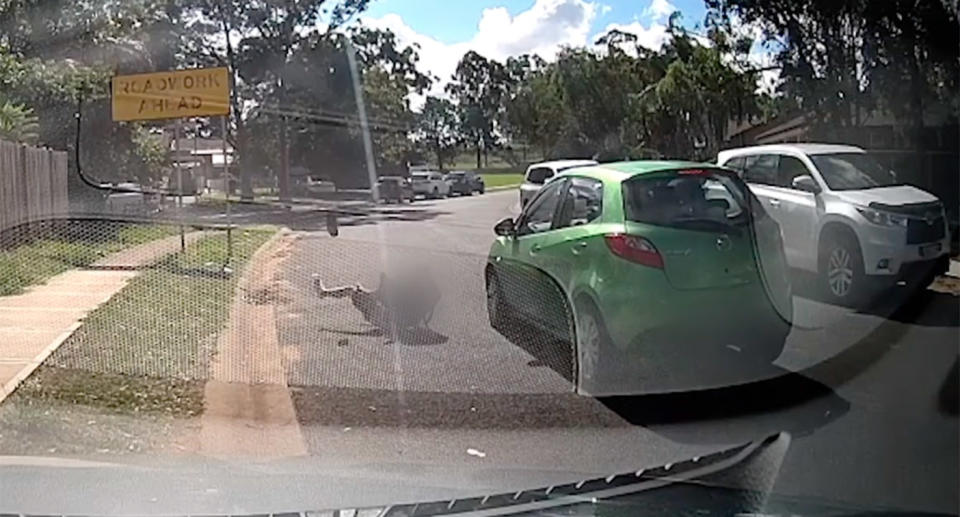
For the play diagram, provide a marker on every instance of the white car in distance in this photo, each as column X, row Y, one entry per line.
column 538, row 173
column 429, row 184
column 845, row 217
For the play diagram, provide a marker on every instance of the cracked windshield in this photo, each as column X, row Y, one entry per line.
column 533, row 257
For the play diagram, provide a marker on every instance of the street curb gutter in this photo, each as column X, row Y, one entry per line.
column 264, row 250
column 248, row 408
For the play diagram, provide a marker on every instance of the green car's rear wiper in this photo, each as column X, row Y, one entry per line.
column 707, row 223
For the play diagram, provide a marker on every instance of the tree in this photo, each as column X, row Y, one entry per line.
column 152, row 154
column 478, row 87
column 437, row 125
column 537, row 113
column 842, row 60
column 271, row 33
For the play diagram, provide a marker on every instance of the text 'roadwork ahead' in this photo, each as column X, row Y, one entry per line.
column 174, row 94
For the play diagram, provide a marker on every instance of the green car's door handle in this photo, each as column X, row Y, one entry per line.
column 535, row 249
column 578, row 247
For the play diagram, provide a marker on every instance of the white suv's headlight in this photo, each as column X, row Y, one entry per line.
column 879, row 217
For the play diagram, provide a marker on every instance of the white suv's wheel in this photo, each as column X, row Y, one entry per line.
column 841, row 270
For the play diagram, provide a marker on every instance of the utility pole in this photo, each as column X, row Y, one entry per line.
column 179, row 166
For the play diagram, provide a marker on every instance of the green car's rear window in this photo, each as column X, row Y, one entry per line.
column 697, row 199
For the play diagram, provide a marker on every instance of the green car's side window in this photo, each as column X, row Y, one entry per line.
column 539, row 215
column 582, row 204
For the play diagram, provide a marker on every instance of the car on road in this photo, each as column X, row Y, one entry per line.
column 465, row 183
column 538, row 173
column 394, row 188
column 429, row 184
column 319, row 185
column 845, row 217
column 646, row 268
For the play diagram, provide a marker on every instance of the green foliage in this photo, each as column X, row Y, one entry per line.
column 150, row 150
column 34, row 263
column 501, row 179
column 149, row 347
column 17, row 123
column 479, row 86
column 437, row 126
column 630, row 102
column 841, row 60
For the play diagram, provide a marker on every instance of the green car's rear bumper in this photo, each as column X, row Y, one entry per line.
column 668, row 339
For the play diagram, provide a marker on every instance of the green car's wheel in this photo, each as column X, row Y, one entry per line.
column 496, row 307
column 593, row 348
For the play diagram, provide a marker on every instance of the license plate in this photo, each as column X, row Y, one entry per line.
column 930, row 249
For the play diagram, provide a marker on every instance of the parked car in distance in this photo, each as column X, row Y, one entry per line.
column 319, row 185
column 394, row 188
column 538, row 173
column 127, row 198
column 845, row 217
column 465, row 183
column 619, row 259
column 429, row 184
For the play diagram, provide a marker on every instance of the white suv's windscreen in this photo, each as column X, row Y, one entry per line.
column 852, row 171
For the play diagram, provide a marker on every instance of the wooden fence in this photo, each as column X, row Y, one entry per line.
column 33, row 184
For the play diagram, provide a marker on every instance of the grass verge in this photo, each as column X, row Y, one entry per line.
column 148, row 349
column 492, row 180
column 33, row 263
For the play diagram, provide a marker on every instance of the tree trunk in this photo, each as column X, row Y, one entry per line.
column 478, row 154
column 246, row 185
column 283, row 179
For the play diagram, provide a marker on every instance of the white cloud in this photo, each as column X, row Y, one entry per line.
column 659, row 10
column 651, row 37
column 604, row 9
column 543, row 29
column 762, row 53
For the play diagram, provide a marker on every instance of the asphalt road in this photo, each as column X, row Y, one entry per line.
column 867, row 397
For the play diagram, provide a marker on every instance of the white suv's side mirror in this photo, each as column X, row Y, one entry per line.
column 806, row 183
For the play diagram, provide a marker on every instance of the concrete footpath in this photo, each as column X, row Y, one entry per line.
column 35, row 323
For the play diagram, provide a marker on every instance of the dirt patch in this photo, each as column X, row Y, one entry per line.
column 946, row 285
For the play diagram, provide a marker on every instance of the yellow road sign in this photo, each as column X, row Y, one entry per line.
column 174, row 94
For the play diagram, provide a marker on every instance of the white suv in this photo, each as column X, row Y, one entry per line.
column 844, row 217
column 429, row 184
column 538, row 173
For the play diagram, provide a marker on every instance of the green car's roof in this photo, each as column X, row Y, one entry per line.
column 619, row 171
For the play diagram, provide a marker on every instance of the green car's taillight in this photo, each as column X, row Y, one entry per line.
column 635, row 249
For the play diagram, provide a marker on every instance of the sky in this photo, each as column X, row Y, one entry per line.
column 497, row 29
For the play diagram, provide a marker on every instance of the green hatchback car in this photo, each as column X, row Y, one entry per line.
column 662, row 276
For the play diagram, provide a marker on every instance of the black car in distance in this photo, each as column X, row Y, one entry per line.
column 465, row 183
